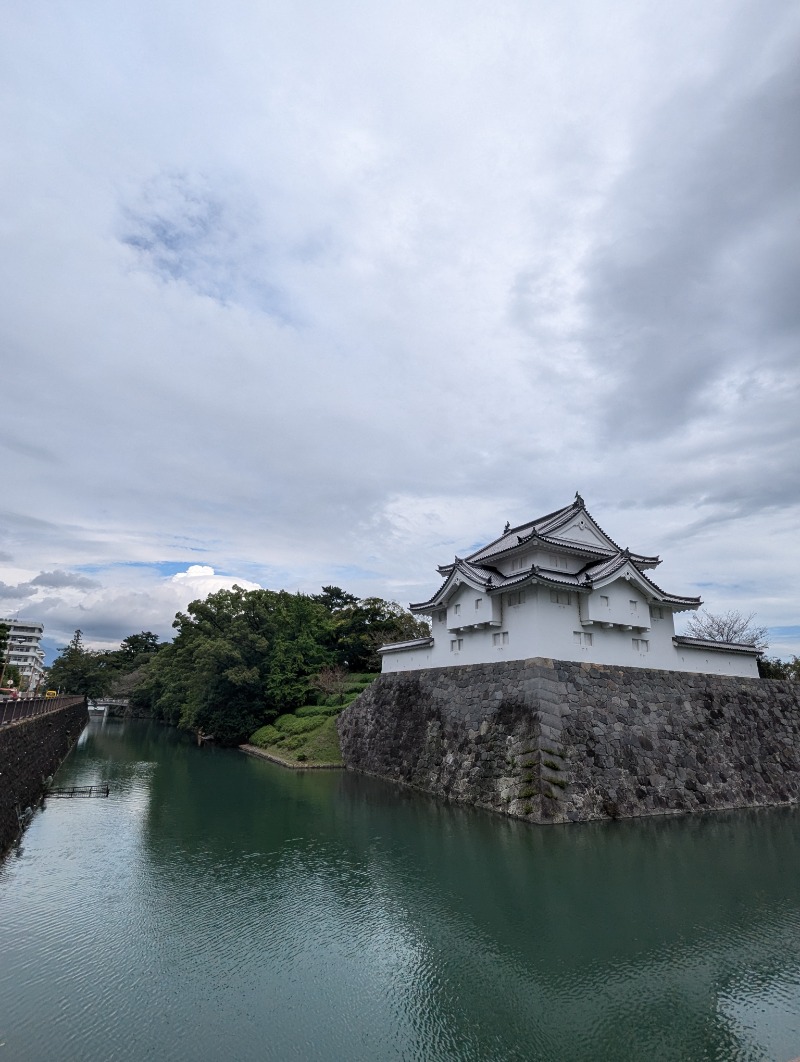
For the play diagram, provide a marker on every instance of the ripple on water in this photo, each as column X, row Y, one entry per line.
column 317, row 919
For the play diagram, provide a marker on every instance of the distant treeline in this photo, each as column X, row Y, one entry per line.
column 240, row 658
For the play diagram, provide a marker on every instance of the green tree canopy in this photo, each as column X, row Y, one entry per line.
column 242, row 657
column 79, row 670
column 239, row 658
column 360, row 627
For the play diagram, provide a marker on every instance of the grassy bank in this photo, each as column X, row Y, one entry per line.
column 308, row 736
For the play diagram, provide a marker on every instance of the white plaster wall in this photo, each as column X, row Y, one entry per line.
column 541, row 628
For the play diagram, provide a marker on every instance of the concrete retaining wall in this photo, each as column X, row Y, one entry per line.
column 558, row 741
column 30, row 751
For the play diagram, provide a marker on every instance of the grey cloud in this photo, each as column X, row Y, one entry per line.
column 15, row 593
column 703, row 268
column 190, row 228
column 59, row 579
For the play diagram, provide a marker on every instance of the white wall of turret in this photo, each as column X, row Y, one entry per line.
column 614, row 624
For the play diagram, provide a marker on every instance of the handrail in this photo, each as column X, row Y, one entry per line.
column 15, row 710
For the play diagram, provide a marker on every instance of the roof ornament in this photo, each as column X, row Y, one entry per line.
column 507, row 528
column 579, row 500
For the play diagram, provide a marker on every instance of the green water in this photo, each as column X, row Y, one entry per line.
column 218, row 907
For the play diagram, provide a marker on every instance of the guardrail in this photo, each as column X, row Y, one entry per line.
column 13, row 710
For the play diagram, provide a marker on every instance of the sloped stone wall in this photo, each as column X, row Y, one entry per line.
column 30, row 751
column 556, row 741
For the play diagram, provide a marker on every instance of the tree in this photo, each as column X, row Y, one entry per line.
column 12, row 677
column 332, row 682
column 5, row 630
column 137, row 646
column 239, row 658
column 729, row 626
column 775, row 668
column 334, row 599
column 80, row 670
column 360, row 627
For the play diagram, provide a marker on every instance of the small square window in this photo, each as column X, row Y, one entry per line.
column 456, row 645
column 478, row 603
column 603, row 601
column 634, row 605
column 457, row 610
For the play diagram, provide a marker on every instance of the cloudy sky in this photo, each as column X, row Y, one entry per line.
column 298, row 293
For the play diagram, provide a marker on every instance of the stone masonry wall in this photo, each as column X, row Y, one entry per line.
column 30, row 751
column 557, row 741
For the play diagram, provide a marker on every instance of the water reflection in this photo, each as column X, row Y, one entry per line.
column 218, row 906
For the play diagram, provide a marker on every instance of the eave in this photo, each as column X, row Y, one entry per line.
column 609, row 573
column 398, row 647
column 716, row 647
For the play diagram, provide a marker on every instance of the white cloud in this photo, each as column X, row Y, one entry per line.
column 322, row 295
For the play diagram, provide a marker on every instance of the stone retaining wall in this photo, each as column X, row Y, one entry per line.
column 556, row 741
column 30, row 751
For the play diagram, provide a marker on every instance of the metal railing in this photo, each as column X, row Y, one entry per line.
column 101, row 790
column 13, row 710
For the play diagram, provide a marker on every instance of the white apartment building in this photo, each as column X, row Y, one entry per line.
column 560, row 587
column 24, row 652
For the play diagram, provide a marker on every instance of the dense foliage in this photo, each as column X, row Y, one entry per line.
column 775, row 668
column 90, row 673
column 242, row 658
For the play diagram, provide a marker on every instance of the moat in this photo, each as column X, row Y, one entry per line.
column 217, row 906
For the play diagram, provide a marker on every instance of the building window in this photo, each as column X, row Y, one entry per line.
column 656, row 612
column 634, row 605
column 478, row 603
column 442, row 616
column 516, row 597
column 582, row 638
column 560, row 597
column 456, row 645
column 641, row 645
column 603, row 601
column 500, row 638
column 457, row 610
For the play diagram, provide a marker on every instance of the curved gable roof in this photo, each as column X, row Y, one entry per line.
column 572, row 528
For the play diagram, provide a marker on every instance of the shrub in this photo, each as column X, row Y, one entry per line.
column 267, row 735
column 293, row 741
column 316, row 709
column 293, row 724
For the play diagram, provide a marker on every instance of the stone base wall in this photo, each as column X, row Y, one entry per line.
column 557, row 741
column 31, row 751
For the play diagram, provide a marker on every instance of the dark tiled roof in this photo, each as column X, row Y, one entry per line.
column 718, row 647
column 479, row 567
column 414, row 643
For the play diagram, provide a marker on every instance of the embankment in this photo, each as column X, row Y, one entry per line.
column 30, row 751
column 556, row 741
